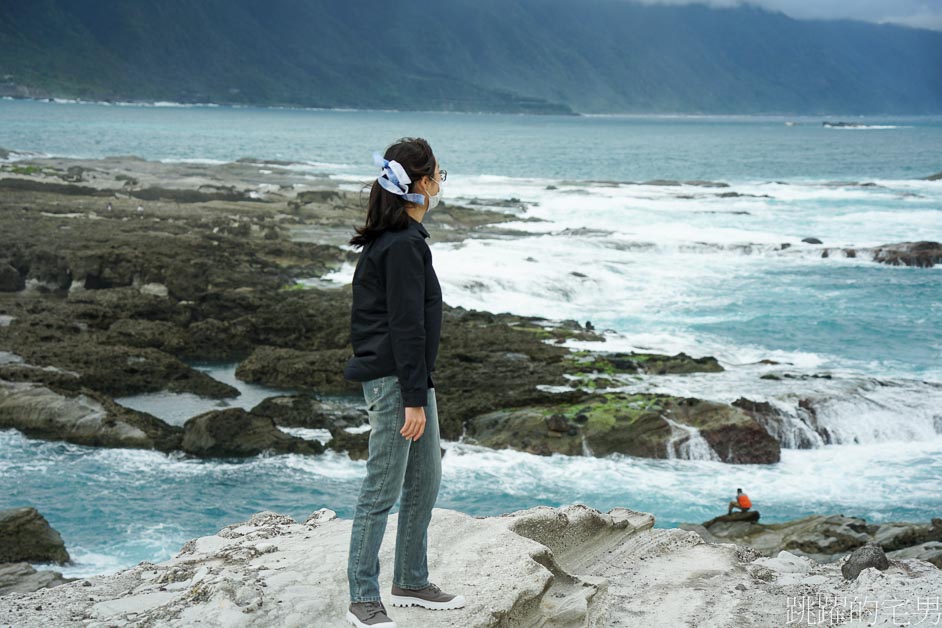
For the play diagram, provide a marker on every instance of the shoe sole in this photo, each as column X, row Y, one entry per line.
column 356, row 622
column 405, row 602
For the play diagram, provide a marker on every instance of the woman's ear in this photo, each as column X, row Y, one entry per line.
column 426, row 183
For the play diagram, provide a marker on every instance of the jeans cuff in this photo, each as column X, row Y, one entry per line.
column 366, row 599
column 410, row 587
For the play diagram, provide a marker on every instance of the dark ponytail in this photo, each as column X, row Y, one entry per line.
column 386, row 210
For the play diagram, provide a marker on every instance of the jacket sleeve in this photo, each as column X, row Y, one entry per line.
column 405, row 301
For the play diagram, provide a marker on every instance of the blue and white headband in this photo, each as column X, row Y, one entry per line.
column 395, row 180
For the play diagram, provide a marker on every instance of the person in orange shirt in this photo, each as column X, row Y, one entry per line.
column 742, row 502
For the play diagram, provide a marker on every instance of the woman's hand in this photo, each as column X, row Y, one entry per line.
column 415, row 422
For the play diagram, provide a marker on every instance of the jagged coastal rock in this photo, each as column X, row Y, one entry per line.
column 825, row 538
column 646, row 425
column 235, row 432
column 86, row 418
column 567, row 566
column 104, row 300
column 924, row 254
column 26, row 536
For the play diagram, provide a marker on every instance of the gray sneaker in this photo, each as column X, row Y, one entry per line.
column 429, row 597
column 369, row 615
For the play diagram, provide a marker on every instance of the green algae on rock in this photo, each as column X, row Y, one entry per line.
column 632, row 424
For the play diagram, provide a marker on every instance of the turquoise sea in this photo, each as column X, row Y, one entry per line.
column 636, row 236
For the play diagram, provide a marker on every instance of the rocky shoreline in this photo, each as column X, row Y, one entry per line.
column 115, row 273
column 118, row 271
column 567, row 566
column 825, row 538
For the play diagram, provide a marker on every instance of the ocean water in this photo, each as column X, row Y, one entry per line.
column 663, row 265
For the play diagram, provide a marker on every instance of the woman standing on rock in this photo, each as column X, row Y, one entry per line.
column 395, row 327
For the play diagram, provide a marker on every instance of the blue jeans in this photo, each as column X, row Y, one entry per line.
column 394, row 464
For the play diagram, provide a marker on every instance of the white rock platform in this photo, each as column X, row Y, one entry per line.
column 560, row 567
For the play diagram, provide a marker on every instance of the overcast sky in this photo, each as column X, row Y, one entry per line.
column 918, row 13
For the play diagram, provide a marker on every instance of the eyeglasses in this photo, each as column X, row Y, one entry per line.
column 442, row 175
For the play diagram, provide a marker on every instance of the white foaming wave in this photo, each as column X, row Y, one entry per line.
column 162, row 539
column 20, row 155
column 866, row 127
column 878, row 414
column 478, row 274
column 306, row 433
column 139, row 466
column 159, row 541
column 820, row 191
column 793, row 212
column 917, row 186
column 697, row 346
column 341, row 275
column 512, row 472
column 330, row 169
column 331, row 465
column 854, row 477
column 676, row 233
column 923, row 224
column 849, row 407
column 123, row 103
column 530, row 190
column 87, row 563
column 871, row 475
column 535, row 276
column 193, row 160
column 657, row 257
column 167, row 103
column 157, row 104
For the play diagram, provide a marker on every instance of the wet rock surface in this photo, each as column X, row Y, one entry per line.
column 635, row 424
column 235, row 432
column 120, row 272
column 826, row 538
column 25, row 535
column 924, row 254
column 308, row 412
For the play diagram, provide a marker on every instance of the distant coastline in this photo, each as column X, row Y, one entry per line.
column 801, row 118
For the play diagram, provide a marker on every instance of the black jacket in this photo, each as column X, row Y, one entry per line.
column 396, row 320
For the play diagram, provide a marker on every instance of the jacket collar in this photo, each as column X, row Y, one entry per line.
column 418, row 225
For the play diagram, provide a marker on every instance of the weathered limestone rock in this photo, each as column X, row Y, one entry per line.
column 84, row 418
column 567, row 566
column 930, row 552
column 825, row 538
column 23, row 578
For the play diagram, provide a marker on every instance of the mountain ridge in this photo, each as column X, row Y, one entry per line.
column 541, row 56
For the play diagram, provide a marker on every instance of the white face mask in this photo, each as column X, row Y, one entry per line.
column 433, row 200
